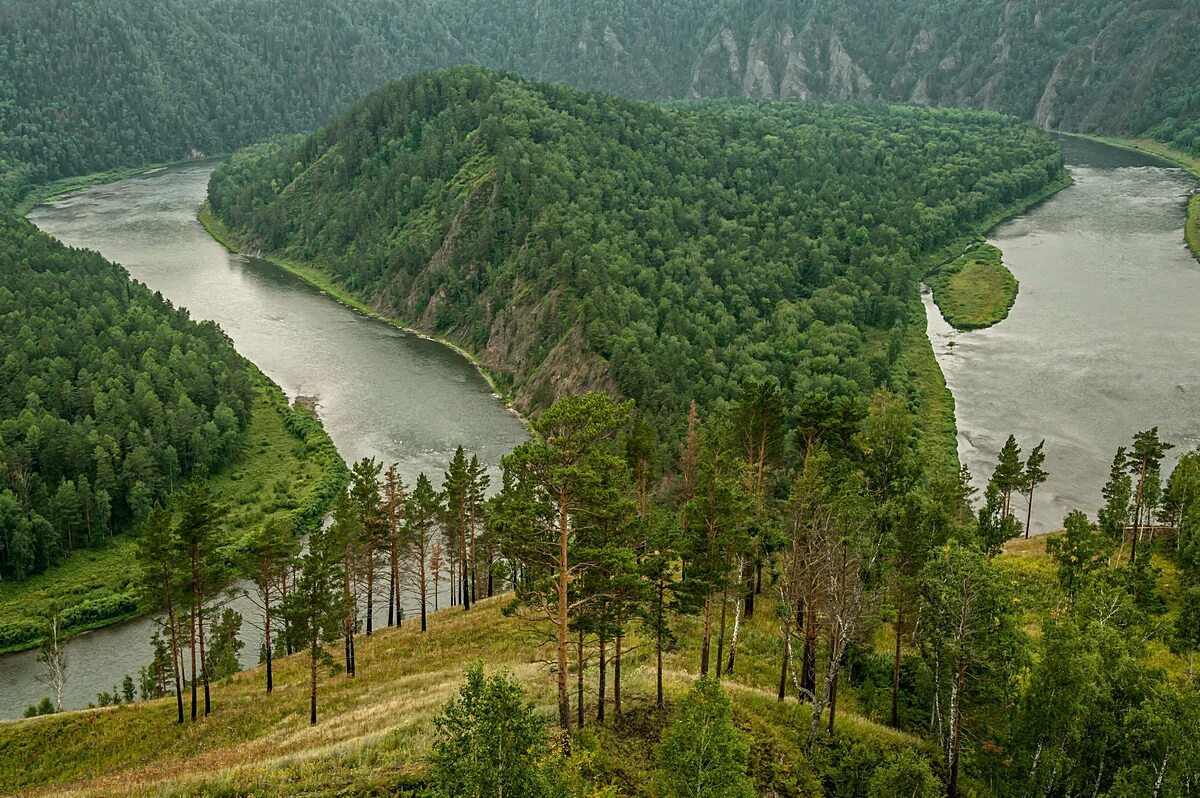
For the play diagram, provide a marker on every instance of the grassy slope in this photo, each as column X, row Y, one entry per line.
column 375, row 729
column 1190, row 163
column 976, row 290
column 274, row 474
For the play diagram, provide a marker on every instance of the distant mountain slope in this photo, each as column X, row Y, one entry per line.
column 580, row 241
column 90, row 85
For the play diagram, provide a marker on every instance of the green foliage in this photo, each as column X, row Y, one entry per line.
column 702, row 754
column 976, row 290
column 1080, row 551
column 491, row 742
column 109, row 398
column 672, row 252
column 91, row 86
column 43, row 707
column 905, row 775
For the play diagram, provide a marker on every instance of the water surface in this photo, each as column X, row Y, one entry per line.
column 1104, row 338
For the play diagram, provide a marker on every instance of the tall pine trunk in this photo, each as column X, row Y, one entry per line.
column 177, row 666
column 564, row 697
column 579, row 681
column 602, row 698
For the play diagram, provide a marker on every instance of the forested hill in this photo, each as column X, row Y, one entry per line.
column 109, row 399
column 578, row 241
column 94, row 85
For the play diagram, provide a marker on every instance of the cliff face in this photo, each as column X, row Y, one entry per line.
column 89, row 86
column 1090, row 66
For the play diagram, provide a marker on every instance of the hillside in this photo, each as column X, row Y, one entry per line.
column 576, row 241
column 377, row 727
column 90, row 86
column 110, row 400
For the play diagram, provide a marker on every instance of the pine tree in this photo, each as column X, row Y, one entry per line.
column 570, row 475
column 373, row 526
column 1008, row 476
column 268, row 557
column 162, row 581
column 422, row 512
column 1034, row 476
column 198, row 529
column 315, row 608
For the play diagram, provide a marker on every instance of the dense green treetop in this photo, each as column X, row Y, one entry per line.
column 669, row 252
column 109, row 398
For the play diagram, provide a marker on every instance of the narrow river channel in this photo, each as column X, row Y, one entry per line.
column 381, row 392
column 1104, row 339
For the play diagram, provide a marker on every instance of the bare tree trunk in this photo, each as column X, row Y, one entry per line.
column 370, row 590
column 706, row 638
column 579, row 680
column 721, row 633
column 192, row 623
column 956, row 731
column 602, row 696
column 204, row 665
column 267, row 635
column 617, row 677
column 787, row 652
column 737, row 620
column 312, row 683
column 564, row 697
column 808, row 664
column 176, row 665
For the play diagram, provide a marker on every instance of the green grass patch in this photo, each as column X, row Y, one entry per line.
column 287, row 465
column 975, row 290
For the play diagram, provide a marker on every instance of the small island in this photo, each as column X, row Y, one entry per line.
column 976, row 290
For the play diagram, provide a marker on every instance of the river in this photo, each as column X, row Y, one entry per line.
column 381, row 392
column 1103, row 339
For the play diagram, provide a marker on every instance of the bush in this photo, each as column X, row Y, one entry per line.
column 491, row 742
column 702, row 754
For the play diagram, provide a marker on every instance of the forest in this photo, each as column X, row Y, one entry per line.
column 109, row 397
column 785, row 604
column 576, row 241
column 92, row 86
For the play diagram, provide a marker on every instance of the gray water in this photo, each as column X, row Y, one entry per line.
column 381, row 392
column 1103, row 340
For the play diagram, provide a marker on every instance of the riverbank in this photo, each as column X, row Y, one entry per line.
column 976, row 290
column 45, row 192
column 936, row 417
column 319, row 280
column 1156, row 149
column 285, row 467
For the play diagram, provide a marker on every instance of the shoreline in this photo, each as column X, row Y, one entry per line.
column 1168, row 154
column 45, row 192
column 320, row 281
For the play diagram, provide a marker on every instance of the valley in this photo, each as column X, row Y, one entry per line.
column 599, row 400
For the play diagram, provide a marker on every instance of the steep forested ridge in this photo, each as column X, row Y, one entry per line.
column 578, row 241
column 94, row 85
column 109, row 398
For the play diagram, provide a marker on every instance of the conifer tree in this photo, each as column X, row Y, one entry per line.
column 162, row 581
column 1034, row 476
column 422, row 512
